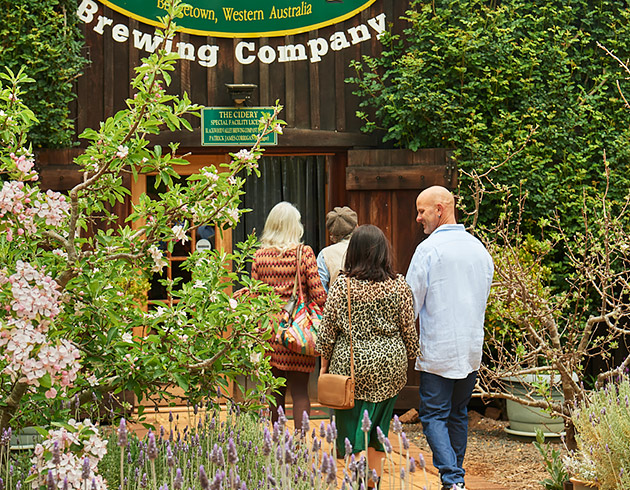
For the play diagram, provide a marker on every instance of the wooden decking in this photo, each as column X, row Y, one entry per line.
column 428, row 480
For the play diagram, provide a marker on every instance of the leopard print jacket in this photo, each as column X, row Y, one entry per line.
column 384, row 335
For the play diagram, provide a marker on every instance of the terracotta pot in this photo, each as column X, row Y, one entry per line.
column 583, row 485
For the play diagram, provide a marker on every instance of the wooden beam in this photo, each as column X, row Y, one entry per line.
column 391, row 157
column 290, row 138
column 395, row 177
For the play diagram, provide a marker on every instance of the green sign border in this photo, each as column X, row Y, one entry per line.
column 287, row 32
column 269, row 140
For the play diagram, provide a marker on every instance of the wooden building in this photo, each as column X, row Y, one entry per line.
column 322, row 160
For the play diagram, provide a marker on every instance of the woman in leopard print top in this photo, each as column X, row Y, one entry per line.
column 384, row 337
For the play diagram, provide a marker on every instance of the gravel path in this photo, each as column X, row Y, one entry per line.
column 510, row 461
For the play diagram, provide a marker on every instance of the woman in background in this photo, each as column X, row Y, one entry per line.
column 275, row 263
column 384, row 338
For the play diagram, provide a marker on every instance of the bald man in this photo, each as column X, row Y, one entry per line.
column 450, row 276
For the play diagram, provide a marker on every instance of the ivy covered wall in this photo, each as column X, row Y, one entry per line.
column 45, row 38
column 481, row 77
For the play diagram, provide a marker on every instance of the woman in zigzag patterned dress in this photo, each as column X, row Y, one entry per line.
column 275, row 263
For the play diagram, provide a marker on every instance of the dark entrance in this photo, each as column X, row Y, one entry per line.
column 300, row 180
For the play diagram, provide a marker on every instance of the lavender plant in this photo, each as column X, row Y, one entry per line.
column 602, row 423
column 231, row 449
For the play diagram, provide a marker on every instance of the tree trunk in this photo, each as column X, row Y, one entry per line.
column 11, row 405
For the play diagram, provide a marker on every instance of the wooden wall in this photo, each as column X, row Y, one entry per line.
column 315, row 95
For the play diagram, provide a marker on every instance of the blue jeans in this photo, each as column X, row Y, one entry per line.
column 444, row 417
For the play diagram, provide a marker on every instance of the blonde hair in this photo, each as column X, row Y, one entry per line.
column 283, row 228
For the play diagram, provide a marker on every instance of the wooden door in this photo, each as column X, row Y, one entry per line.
column 382, row 186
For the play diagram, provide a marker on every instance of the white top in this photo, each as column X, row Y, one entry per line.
column 450, row 277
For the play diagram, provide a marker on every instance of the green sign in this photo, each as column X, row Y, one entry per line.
column 234, row 126
column 244, row 18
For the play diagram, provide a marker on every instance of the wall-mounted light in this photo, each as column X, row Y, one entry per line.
column 240, row 92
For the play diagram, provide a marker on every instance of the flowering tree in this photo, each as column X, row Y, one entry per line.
column 70, row 297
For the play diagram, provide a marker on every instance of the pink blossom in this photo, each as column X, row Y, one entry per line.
column 179, row 233
column 158, row 259
column 244, row 155
column 123, row 151
column 51, row 393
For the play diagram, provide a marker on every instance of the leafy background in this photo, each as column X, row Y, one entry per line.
column 46, row 39
column 478, row 76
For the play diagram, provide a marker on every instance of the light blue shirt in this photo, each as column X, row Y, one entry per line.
column 450, row 275
column 322, row 268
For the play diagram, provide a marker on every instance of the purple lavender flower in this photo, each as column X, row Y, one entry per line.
column 85, row 474
column 65, row 483
column 282, row 419
column 56, row 455
column 325, row 464
column 169, row 456
column 366, row 423
column 4, row 440
column 397, row 425
column 332, row 471
column 405, row 441
column 232, row 456
column 306, row 423
column 94, row 484
column 50, row 481
column 402, row 473
column 380, row 435
column 220, row 457
column 374, row 476
column 412, row 465
column 352, row 466
column 387, row 445
column 421, row 462
column 122, row 433
column 203, row 478
column 271, row 480
column 152, row 450
column 144, row 481
column 329, row 434
column 276, row 432
column 348, row 446
column 267, row 443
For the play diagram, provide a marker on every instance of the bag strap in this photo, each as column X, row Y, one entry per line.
column 298, row 280
column 350, row 325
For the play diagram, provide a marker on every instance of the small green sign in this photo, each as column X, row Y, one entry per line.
column 244, row 18
column 234, row 126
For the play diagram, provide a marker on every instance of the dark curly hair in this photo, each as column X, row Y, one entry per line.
column 369, row 255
